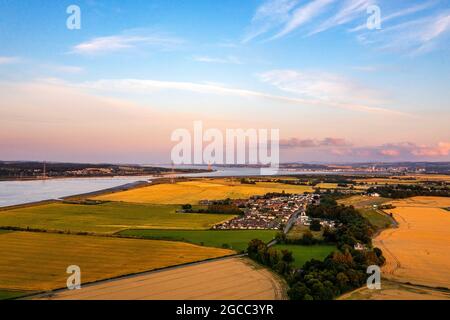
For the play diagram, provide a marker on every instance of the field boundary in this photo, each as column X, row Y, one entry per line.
column 407, row 283
column 47, row 294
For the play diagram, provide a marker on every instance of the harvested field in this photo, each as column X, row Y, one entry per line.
column 194, row 191
column 417, row 251
column 107, row 218
column 397, row 291
column 38, row 261
column 227, row 279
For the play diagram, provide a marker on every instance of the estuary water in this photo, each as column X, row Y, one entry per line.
column 21, row 192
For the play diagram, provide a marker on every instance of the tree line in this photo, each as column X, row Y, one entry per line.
column 342, row 271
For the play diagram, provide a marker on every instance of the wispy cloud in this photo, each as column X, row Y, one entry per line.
column 63, row 68
column 303, row 15
column 225, row 60
column 398, row 151
column 275, row 19
column 349, row 11
column 327, row 89
column 126, row 41
column 139, row 86
column 9, row 60
column 398, row 14
column 271, row 14
column 415, row 37
column 295, row 143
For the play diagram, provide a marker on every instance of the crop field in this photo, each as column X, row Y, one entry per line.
column 397, row 291
column 297, row 232
column 236, row 240
column 365, row 204
column 194, row 191
column 11, row 294
column 427, row 177
column 303, row 254
column 227, row 279
column 417, row 251
column 363, row 201
column 38, row 261
column 376, row 218
column 326, row 185
column 107, row 217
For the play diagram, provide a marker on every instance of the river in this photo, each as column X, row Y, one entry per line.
column 21, row 192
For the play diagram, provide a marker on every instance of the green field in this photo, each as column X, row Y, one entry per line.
column 7, row 294
column 297, row 232
column 363, row 201
column 237, row 240
column 365, row 206
column 107, row 218
column 303, row 254
column 376, row 218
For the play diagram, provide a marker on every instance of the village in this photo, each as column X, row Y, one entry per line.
column 271, row 212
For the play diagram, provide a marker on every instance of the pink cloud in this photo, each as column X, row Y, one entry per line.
column 390, row 152
column 313, row 143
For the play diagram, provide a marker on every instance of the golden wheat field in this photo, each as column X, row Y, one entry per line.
column 194, row 191
column 397, row 291
column 216, row 280
column 38, row 261
column 418, row 250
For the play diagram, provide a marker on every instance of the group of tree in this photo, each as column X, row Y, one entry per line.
column 352, row 228
column 280, row 262
column 307, row 239
column 230, row 209
column 247, row 181
column 342, row 271
column 339, row 273
column 405, row 191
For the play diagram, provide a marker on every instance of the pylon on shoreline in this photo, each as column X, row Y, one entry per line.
column 44, row 172
column 172, row 174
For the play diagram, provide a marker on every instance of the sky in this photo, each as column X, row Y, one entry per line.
column 115, row 89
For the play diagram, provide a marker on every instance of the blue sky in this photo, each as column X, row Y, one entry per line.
column 311, row 68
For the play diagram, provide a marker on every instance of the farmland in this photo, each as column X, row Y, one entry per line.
column 106, row 218
column 236, row 240
column 417, row 251
column 38, row 261
column 227, row 279
column 298, row 231
column 194, row 191
column 397, row 291
column 365, row 206
column 362, row 201
column 303, row 254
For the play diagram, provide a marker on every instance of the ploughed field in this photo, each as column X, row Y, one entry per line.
column 418, row 250
column 206, row 189
column 234, row 239
column 38, row 261
column 227, row 279
column 108, row 217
